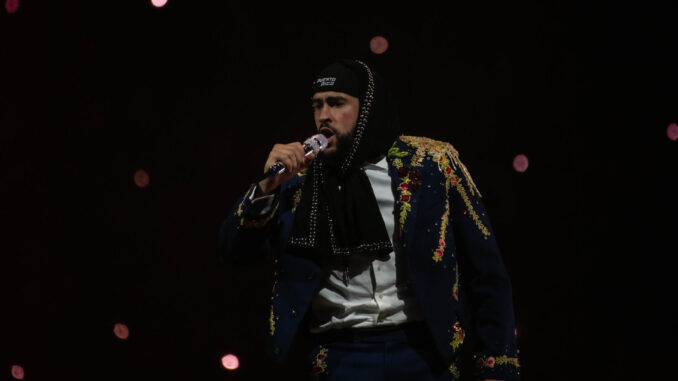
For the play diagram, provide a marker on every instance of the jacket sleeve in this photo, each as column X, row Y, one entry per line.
column 244, row 236
column 486, row 281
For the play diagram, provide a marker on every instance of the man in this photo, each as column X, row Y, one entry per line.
column 384, row 253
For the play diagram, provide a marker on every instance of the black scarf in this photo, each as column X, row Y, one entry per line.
column 338, row 213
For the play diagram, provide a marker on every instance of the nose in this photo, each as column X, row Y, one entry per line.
column 324, row 113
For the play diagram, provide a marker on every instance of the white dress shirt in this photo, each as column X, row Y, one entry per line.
column 377, row 292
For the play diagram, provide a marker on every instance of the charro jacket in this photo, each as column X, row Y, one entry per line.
column 453, row 262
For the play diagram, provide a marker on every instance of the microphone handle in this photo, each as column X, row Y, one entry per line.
column 279, row 168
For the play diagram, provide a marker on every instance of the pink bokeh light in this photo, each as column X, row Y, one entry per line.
column 378, row 44
column 230, row 362
column 17, row 372
column 158, row 3
column 141, row 178
column 11, row 6
column 672, row 131
column 520, row 163
column 121, row 331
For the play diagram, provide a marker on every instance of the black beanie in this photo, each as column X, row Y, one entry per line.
column 339, row 77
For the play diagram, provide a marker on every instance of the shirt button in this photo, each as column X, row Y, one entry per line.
column 381, row 296
column 378, row 268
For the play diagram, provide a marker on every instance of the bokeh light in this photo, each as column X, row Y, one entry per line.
column 230, row 362
column 378, row 44
column 11, row 6
column 158, row 3
column 672, row 131
column 141, row 178
column 121, row 331
column 520, row 163
column 17, row 372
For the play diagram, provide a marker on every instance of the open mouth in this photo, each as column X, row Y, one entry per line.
column 326, row 131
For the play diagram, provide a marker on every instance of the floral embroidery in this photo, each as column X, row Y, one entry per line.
column 458, row 336
column 491, row 361
column 319, row 365
column 438, row 253
column 296, row 197
column 455, row 288
column 397, row 163
column 410, row 183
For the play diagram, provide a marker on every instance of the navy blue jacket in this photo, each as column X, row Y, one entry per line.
column 453, row 263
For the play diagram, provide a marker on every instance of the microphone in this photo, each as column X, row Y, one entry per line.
column 315, row 144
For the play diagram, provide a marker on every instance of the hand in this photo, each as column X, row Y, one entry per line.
column 292, row 156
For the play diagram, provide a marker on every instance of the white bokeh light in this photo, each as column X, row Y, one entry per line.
column 230, row 362
column 158, row 3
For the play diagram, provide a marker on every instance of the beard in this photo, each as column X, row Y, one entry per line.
column 336, row 158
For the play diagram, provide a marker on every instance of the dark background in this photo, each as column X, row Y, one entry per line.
column 197, row 92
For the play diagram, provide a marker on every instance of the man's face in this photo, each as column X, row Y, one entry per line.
column 335, row 117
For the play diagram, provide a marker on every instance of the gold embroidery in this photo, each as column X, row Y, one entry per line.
column 454, row 371
column 319, row 365
column 458, row 337
column 437, row 147
column 491, row 361
column 296, row 198
column 272, row 318
column 469, row 206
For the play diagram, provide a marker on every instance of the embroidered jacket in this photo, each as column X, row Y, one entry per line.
column 453, row 263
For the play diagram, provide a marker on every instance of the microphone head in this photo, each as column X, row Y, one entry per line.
column 317, row 143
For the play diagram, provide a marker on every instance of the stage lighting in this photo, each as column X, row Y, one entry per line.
column 17, row 372
column 230, row 362
column 378, row 44
column 520, row 163
column 141, row 178
column 672, row 131
column 158, row 3
column 121, row 331
column 11, row 6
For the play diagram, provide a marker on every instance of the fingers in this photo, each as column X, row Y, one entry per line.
column 291, row 155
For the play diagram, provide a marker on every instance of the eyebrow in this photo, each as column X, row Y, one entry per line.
column 334, row 98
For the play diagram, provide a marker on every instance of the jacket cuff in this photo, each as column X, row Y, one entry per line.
column 258, row 212
column 505, row 366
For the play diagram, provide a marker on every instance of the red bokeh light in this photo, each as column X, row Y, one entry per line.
column 17, row 372
column 11, row 6
column 672, row 131
column 378, row 44
column 158, row 3
column 230, row 362
column 121, row 331
column 520, row 163
column 141, row 178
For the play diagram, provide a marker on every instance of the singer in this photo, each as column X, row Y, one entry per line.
column 384, row 253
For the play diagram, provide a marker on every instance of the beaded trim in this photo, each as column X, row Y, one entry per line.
column 362, row 118
column 353, row 250
column 309, row 241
